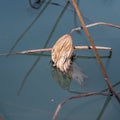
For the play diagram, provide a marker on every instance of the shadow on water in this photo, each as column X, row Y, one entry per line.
column 29, row 27
column 107, row 101
column 47, row 42
column 114, row 85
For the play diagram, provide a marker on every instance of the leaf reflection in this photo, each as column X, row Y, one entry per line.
column 64, row 79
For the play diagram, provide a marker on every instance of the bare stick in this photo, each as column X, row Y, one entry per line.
column 95, row 51
column 90, row 47
column 75, row 97
column 49, row 49
column 95, row 24
column 37, row 50
column 97, row 47
column 28, row 51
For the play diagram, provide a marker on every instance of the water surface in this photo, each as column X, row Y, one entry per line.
column 29, row 87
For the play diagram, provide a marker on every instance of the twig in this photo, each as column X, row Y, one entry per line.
column 75, row 97
column 95, row 51
column 90, row 47
column 95, row 24
column 49, row 49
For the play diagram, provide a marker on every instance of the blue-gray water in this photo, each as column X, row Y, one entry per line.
column 29, row 87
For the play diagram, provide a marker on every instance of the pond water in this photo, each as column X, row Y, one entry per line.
column 30, row 88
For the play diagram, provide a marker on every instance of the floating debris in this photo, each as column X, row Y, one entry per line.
column 62, row 52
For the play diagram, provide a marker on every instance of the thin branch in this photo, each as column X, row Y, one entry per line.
column 103, row 23
column 75, row 97
column 95, row 51
column 95, row 24
column 90, row 47
column 49, row 49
